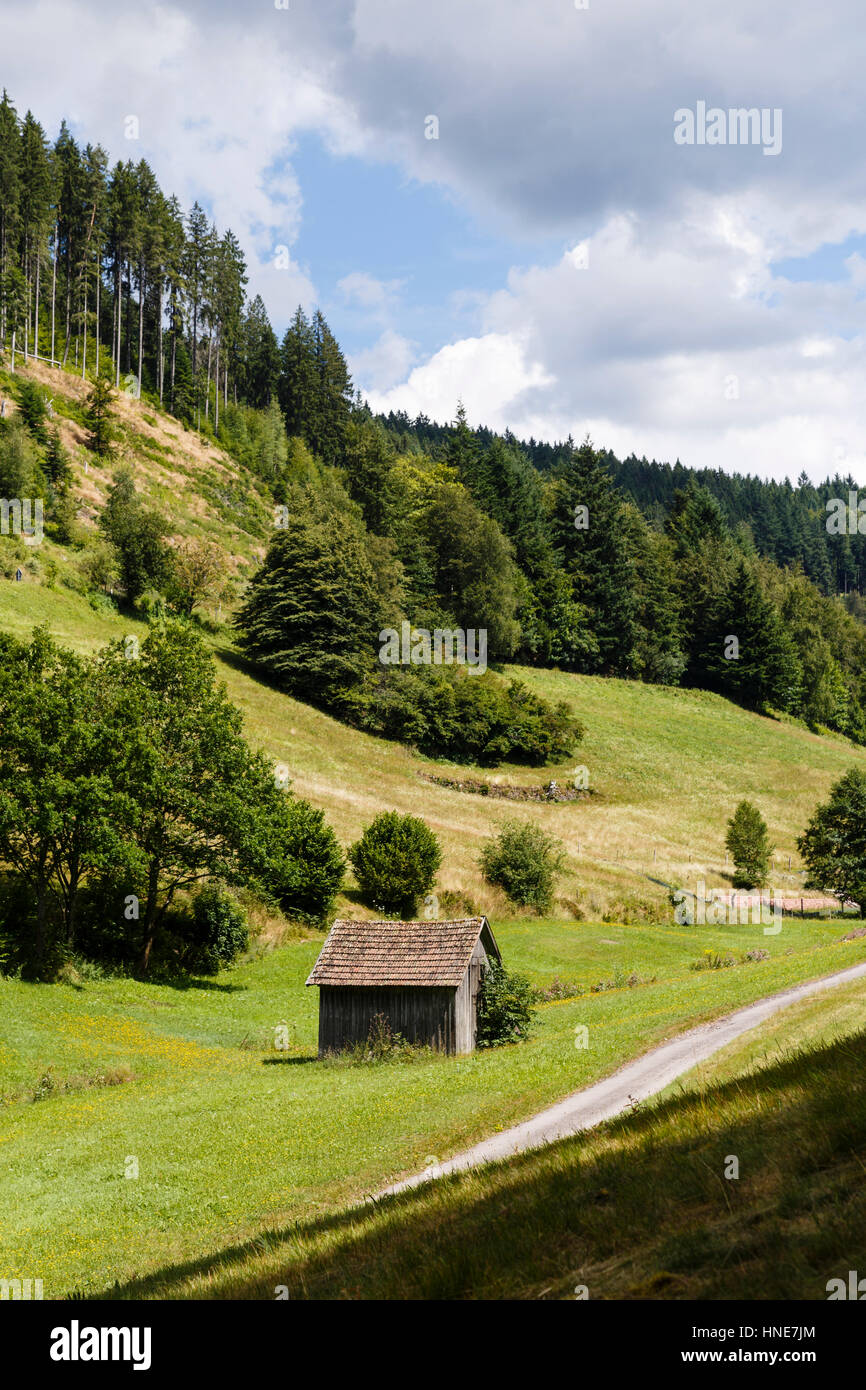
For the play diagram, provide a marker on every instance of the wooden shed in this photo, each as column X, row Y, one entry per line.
column 424, row 977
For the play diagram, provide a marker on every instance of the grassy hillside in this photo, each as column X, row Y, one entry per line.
column 666, row 766
column 639, row 1208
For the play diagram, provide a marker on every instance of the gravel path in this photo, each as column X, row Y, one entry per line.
column 635, row 1081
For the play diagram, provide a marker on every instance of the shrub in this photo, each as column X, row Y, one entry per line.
column 524, row 861
column 98, row 565
column 505, row 1007
column 151, row 605
column 558, row 989
column 395, row 862
column 218, row 932
column 714, row 960
column 306, row 870
column 443, row 711
column 452, row 904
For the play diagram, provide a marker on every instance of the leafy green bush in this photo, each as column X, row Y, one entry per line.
column 524, row 861
column 505, row 1007
column 395, row 862
column 305, row 869
column 468, row 718
column 218, row 933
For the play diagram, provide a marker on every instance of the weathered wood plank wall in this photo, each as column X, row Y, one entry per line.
column 423, row 1015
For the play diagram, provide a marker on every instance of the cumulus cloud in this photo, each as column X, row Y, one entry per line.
column 488, row 374
column 379, row 367
column 688, row 348
column 552, row 122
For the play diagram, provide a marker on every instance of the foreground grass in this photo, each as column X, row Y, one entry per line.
column 639, row 1208
column 231, row 1138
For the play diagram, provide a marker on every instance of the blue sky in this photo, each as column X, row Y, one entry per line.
column 399, row 229
column 824, row 265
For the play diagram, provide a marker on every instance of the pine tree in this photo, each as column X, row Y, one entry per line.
column 749, row 655
column 98, row 416
column 748, row 844
column 297, row 385
column 57, row 467
column 311, row 616
column 10, row 184
column 197, row 258
column 35, row 184
column 328, row 429
column 260, row 356
column 590, row 535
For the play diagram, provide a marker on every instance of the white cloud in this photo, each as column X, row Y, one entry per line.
column 552, row 121
column 488, row 374
column 378, row 297
column 657, row 348
column 379, row 367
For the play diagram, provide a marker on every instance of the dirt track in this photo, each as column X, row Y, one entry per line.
column 635, row 1081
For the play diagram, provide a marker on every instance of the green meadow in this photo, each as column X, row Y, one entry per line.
column 233, row 1136
column 647, row 1206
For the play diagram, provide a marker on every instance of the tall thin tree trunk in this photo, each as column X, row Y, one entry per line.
column 68, row 308
column 207, row 378
column 118, row 308
column 53, row 289
column 84, row 353
column 128, row 316
column 41, row 917
column 161, row 369
column 149, row 927
column 141, row 283
column 27, row 314
column 36, row 313
column 173, row 359
column 98, row 286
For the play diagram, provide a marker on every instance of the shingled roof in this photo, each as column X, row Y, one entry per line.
column 400, row 953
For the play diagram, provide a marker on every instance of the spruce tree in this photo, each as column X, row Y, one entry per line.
column 98, row 416
column 57, row 468
column 10, row 183
column 590, row 535
column 260, row 356
column 297, row 383
column 749, row 655
column 328, row 429
column 311, row 616
column 749, row 846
